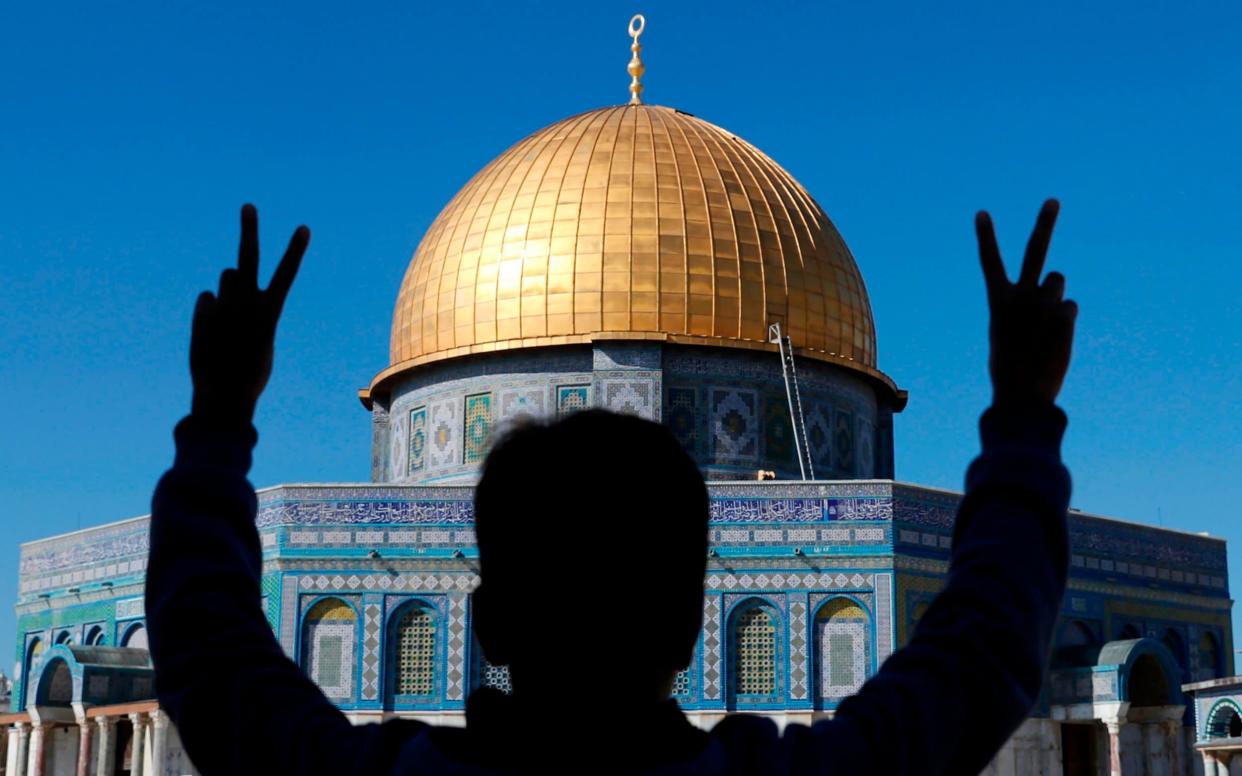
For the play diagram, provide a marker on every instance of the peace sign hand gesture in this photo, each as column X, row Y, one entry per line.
column 1032, row 327
column 233, row 331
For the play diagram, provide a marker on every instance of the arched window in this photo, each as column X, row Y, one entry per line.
column 414, row 653
column 917, row 612
column 64, row 637
column 1076, row 634
column 135, row 637
column 1148, row 684
column 1224, row 721
column 842, row 645
column 34, row 652
column 329, row 633
column 1173, row 641
column 57, row 684
column 94, row 636
column 753, row 655
column 1075, row 646
column 1130, row 631
column 1209, row 657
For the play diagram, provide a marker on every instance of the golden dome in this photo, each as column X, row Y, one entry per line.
column 636, row 222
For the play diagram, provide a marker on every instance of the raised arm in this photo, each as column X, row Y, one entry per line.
column 239, row 704
column 947, row 701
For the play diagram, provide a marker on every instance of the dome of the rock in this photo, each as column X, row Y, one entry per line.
column 633, row 222
column 634, row 258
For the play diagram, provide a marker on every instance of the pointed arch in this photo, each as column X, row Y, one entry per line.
column 135, row 636
column 1176, row 644
column 754, row 653
column 33, row 658
column 842, row 644
column 94, row 636
column 55, row 687
column 413, row 654
column 1224, row 720
column 329, row 635
column 1208, row 663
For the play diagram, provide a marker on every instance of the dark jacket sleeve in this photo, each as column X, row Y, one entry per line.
column 948, row 700
column 240, row 706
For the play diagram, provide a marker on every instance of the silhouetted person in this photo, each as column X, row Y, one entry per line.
column 592, row 535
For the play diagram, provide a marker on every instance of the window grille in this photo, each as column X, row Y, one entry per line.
column 681, row 683
column 416, row 639
column 497, row 678
column 755, row 647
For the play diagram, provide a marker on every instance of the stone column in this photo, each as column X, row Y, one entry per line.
column 84, row 747
column 138, row 749
column 1218, row 763
column 1114, row 748
column 19, row 742
column 159, row 741
column 38, row 741
column 1171, row 733
column 105, row 761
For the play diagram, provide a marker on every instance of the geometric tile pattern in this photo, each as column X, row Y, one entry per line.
column 777, row 430
column 681, row 683
column 478, row 426
column 843, row 660
column 398, row 452
column 372, row 620
column 883, row 617
column 418, row 440
column 733, row 432
column 776, row 580
column 819, row 437
column 444, row 433
column 496, row 677
column 682, row 419
column 711, row 647
column 797, row 650
column 866, row 451
column 455, row 687
column 331, row 633
column 515, row 402
column 629, row 397
column 571, row 398
column 386, row 582
column 843, row 438
column 288, row 614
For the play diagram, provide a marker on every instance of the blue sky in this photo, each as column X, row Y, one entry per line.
column 131, row 132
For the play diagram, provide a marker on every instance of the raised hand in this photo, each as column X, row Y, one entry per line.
column 1032, row 326
column 231, row 343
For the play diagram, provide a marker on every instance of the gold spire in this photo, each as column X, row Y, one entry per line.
column 636, row 68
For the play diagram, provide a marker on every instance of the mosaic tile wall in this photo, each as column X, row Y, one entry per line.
column 728, row 408
column 880, row 544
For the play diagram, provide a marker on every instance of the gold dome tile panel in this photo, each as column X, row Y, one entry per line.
column 631, row 222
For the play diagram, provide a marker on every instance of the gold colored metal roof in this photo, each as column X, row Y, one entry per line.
column 632, row 222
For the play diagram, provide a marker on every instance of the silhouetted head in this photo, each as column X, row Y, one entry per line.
column 592, row 535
